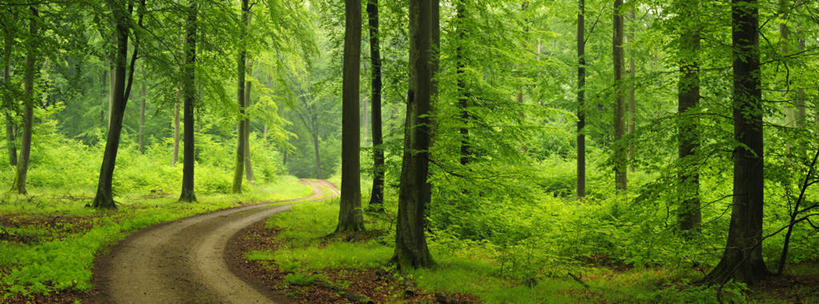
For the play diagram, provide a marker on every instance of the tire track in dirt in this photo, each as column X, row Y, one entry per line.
column 184, row 261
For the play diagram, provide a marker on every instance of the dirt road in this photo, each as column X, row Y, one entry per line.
column 184, row 261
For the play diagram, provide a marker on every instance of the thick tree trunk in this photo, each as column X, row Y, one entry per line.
column 688, row 214
column 742, row 259
column 581, row 97
column 377, row 194
column 104, row 197
column 175, row 156
column 248, row 164
column 350, row 218
column 238, row 172
column 189, row 92
column 415, row 191
column 29, row 73
column 142, row 113
column 11, row 142
column 463, row 94
column 620, row 153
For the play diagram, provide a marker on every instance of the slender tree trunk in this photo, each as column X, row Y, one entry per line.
column 238, row 173
column 189, row 91
column 11, row 142
column 463, row 94
column 29, row 73
column 415, row 192
column 620, row 153
column 742, row 259
column 248, row 164
column 632, row 118
column 350, row 218
column 318, row 155
column 688, row 97
column 142, row 113
column 105, row 197
column 111, row 89
column 175, row 156
column 789, row 109
column 581, row 96
column 103, row 99
column 377, row 195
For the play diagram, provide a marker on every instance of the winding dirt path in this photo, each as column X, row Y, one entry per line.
column 184, row 261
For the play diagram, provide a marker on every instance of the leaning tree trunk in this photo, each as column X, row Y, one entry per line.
column 742, row 259
column 29, row 73
column 7, row 98
column 620, row 150
column 350, row 218
column 688, row 214
column 240, row 96
column 581, row 96
column 377, row 195
column 189, row 92
column 105, row 197
column 415, row 191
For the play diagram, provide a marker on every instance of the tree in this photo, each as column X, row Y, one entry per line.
column 377, row 194
column 742, row 258
column 248, row 164
column 28, row 100
column 350, row 218
column 463, row 94
column 581, row 104
column 688, row 96
column 122, row 23
column 189, row 92
column 9, row 27
column 415, row 190
column 142, row 112
column 620, row 153
column 240, row 96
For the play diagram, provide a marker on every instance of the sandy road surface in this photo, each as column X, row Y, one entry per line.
column 184, row 261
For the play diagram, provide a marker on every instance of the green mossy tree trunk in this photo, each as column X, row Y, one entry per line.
column 415, row 192
column 377, row 194
column 350, row 217
column 688, row 215
column 189, row 92
column 742, row 259
column 29, row 73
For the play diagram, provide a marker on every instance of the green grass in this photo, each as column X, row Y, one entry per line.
column 66, row 263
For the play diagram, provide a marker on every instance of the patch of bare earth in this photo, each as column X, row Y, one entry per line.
column 369, row 285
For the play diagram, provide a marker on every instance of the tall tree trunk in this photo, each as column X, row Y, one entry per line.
column 105, row 197
column 415, row 191
column 350, row 218
column 248, row 164
column 177, row 102
column 111, row 89
column 581, row 98
column 632, row 87
column 238, row 172
column 11, row 142
column 142, row 113
column 317, row 154
column 377, row 194
column 688, row 97
column 789, row 109
column 742, row 259
column 463, row 94
column 189, row 91
column 620, row 157
column 29, row 73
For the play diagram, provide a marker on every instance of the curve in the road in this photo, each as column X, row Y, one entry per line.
column 184, row 261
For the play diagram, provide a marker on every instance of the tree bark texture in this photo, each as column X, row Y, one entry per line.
column 248, row 164
column 688, row 96
column 350, row 217
column 581, row 96
column 415, row 192
column 189, row 92
column 463, row 94
column 377, row 194
column 620, row 153
column 29, row 72
column 8, row 100
column 238, row 173
column 742, row 259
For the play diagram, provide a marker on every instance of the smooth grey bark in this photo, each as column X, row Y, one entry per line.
column 350, row 217
column 377, row 194
column 581, row 97
column 415, row 192
column 238, row 172
column 189, row 92
column 29, row 73
column 620, row 150
column 742, row 259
